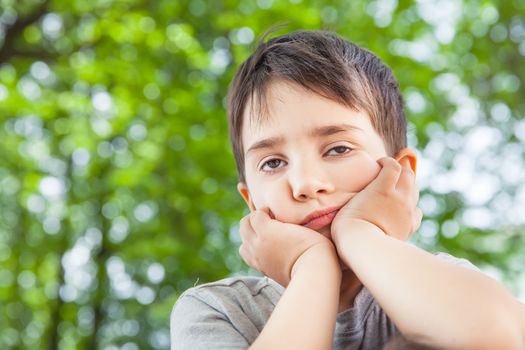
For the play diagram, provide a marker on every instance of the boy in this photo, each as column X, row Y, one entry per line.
column 319, row 137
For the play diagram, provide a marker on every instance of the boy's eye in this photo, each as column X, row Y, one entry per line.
column 272, row 164
column 338, row 150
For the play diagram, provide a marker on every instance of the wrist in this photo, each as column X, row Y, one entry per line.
column 353, row 226
column 320, row 257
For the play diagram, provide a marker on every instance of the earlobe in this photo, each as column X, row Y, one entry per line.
column 245, row 194
column 407, row 157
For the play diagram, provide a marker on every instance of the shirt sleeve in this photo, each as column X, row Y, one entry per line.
column 197, row 325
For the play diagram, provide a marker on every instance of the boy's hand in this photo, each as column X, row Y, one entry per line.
column 389, row 202
column 273, row 247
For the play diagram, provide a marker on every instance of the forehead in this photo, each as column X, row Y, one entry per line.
column 289, row 109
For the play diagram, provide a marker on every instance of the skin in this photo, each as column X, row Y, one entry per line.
column 376, row 198
column 300, row 172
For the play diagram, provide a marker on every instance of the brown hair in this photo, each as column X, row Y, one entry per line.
column 328, row 65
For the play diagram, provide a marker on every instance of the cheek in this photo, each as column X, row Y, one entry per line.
column 361, row 171
column 274, row 196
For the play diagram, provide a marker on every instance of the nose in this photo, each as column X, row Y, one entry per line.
column 309, row 183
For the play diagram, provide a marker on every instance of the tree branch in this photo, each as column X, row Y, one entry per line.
column 7, row 51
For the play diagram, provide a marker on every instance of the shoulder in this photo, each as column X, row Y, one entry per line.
column 234, row 289
column 233, row 310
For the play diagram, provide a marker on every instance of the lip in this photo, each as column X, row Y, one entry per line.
column 320, row 218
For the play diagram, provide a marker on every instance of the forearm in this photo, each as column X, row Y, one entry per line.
column 305, row 316
column 430, row 300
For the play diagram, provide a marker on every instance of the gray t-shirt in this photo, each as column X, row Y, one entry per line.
column 231, row 313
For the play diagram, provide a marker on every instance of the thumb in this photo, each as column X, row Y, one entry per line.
column 389, row 173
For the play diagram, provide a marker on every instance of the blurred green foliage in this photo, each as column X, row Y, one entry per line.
column 117, row 182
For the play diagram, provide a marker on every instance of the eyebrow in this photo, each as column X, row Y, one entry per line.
column 266, row 143
column 333, row 129
column 319, row 131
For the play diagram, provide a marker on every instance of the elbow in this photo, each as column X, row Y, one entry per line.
column 509, row 339
column 516, row 336
column 506, row 328
column 507, row 333
column 513, row 327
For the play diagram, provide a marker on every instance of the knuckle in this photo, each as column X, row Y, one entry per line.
column 396, row 166
column 244, row 223
column 390, row 161
column 242, row 252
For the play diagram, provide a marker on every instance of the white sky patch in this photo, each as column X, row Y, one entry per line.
column 489, row 15
column 52, row 26
column 121, row 283
column 145, row 295
column 4, row 93
column 443, row 15
column 53, row 166
column 8, row 16
column 500, row 112
column 519, row 130
column 480, row 139
column 381, row 11
column 102, row 101
column 145, row 211
column 81, row 157
column 156, row 273
column 137, row 132
column 51, row 225
column 29, row 89
column 481, row 189
column 219, row 60
column 119, row 229
column 52, row 187
column 511, row 166
column 101, row 126
column 445, row 81
column 244, row 35
column 466, row 115
column 93, row 237
column 40, row 70
column 79, row 272
column 36, row 203
column 478, row 217
column 415, row 101
column 423, row 49
column 30, row 126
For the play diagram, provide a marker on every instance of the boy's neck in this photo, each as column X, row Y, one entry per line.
column 350, row 287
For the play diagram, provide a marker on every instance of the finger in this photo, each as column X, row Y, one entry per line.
column 418, row 217
column 246, row 230
column 389, row 174
column 243, row 252
column 416, row 194
column 268, row 211
column 260, row 219
column 407, row 181
column 405, row 163
column 246, row 256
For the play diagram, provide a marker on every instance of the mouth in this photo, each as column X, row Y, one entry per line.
column 321, row 218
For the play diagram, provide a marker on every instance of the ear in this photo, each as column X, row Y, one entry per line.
column 407, row 157
column 245, row 194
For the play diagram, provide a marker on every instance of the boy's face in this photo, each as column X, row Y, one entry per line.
column 311, row 154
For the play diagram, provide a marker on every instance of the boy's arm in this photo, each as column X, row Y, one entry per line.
column 304, row 317
column 429, row 300
column 305, row 262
